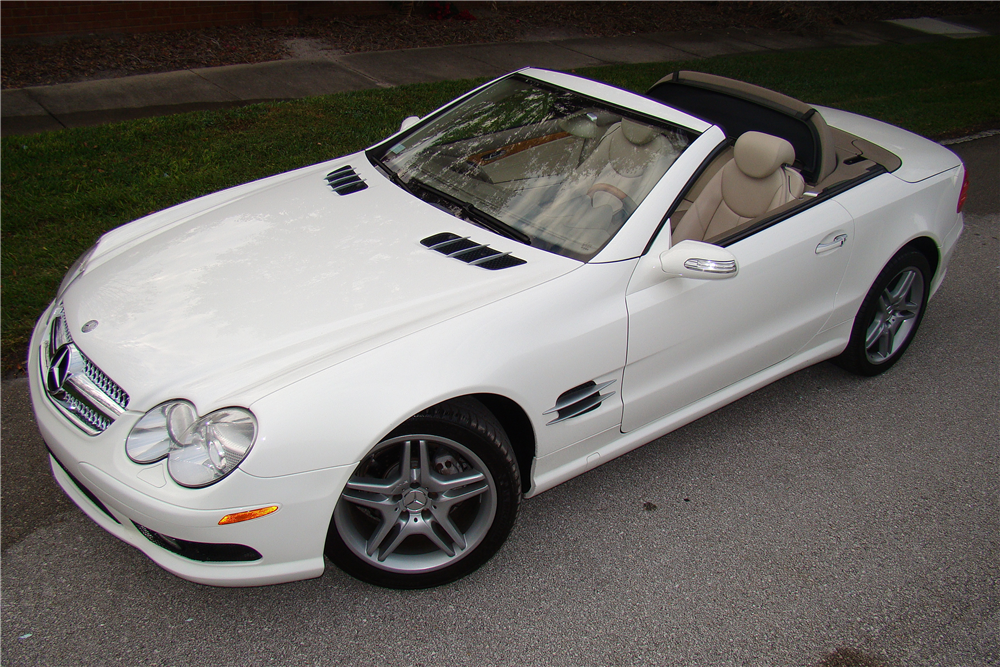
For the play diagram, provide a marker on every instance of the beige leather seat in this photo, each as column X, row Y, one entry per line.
column 758, row 179
column 621, row 163
column 594, row 202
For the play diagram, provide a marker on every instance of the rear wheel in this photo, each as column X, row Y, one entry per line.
column 429, row 504
column 889, row 316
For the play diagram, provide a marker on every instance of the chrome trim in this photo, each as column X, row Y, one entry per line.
column 74, row 384
column 449, row 242
column 463, row 251
column 488, row 258
column 837, row 242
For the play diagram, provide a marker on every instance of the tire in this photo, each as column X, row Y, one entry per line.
column 440, row 519
column 889, row 315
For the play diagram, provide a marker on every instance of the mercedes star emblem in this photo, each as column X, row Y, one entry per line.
column 58, row 371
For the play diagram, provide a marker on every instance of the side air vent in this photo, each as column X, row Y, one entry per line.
column 345, row 180
column 579, row 400
column 470, row 252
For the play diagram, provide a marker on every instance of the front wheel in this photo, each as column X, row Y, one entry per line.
column 430, row 503
column 889, row 316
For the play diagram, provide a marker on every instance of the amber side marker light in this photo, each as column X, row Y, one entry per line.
column 246, row 516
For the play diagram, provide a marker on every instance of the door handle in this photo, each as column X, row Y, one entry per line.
column 827, row 246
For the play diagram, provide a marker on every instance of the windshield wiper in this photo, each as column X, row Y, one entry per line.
column 394, row 176
column 474, row 213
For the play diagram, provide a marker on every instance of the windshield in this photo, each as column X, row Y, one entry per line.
column 546, row 166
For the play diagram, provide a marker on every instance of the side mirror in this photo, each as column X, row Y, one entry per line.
column 699, row 261
column 409, row 122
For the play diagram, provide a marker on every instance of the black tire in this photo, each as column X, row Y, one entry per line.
column 462, row 492
column 889, row 315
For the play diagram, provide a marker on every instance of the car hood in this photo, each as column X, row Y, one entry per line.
column 265, row 284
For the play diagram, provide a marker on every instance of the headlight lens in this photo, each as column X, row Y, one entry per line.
column 150, row 438
column 199, row 450
column 75, row 270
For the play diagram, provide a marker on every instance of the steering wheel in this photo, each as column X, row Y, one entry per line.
column 628, row 204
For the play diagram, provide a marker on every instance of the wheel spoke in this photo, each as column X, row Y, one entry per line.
column 403, row 532
column 378, row 536
column 902, row 288
column 411, row 526
column 445, row 484
column 381, row 504
column 875, row 332
column 424, row 476
column 427, row 530
column 885, row 342
column 455, row 497
column 376, row 486
column 404, row 463
column 440, row 515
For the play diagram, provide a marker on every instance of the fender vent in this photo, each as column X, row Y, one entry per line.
column 345, row 180
column 579, row 400
column 470, row 252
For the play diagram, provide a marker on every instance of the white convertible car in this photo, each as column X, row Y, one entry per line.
column 375, row 358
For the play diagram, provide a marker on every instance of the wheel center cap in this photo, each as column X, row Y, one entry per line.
column 415, row 500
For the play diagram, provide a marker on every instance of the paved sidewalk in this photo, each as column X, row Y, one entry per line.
column 45, row 108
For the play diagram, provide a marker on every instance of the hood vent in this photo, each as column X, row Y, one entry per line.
column 345, row 180
column 471, row 252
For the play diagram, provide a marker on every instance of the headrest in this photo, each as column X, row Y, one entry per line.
column 759, row 155
column 583, row 126
column 630, row 159
column 638, row 134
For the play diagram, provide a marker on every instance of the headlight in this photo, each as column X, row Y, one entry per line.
column 76, row 269
column 199, row 450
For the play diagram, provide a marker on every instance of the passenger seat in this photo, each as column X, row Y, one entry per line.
column 758, row 179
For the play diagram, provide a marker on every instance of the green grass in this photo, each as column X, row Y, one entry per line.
column 62, row 190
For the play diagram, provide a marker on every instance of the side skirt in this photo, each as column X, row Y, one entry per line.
column 599, row 450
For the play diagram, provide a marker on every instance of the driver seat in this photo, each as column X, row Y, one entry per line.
column 621, row 160
column 756, row 180
column 594, row 202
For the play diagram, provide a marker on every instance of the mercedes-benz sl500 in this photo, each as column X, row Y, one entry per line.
column 377, row 357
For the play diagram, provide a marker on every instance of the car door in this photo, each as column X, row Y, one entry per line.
column 688, row 337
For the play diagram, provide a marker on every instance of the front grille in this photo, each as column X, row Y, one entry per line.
column 80, row 410
column 76, row 385
column 104, row 383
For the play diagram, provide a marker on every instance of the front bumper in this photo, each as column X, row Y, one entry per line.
column 124, row 498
